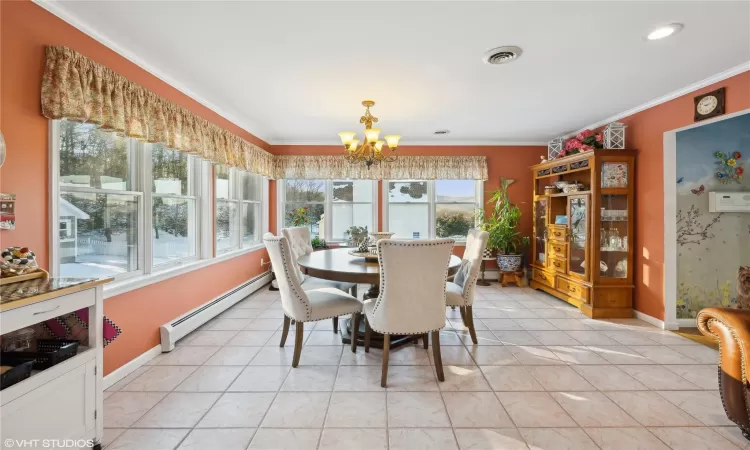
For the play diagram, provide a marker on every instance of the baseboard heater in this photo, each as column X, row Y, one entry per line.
column 180, row 327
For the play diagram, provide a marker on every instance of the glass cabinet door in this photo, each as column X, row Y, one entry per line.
column 614, row 241
column 540, row 232
column 578, row 220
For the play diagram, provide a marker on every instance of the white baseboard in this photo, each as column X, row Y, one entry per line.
column 650, row 319
column 687, row 323
column 131, row 366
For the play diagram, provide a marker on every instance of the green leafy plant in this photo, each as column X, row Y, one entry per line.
column 318, row 243
column 355, row 234
column 502, row 225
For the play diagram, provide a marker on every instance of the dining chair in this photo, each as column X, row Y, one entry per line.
column 299, row 238
column 460, row 291
column 302, row 305
column 412, row 295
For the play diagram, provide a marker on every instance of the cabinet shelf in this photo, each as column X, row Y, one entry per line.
column 567, row 194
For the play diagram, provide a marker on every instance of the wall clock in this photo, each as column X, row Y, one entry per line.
column 709, row 105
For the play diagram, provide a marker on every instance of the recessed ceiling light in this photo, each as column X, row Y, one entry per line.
column 442, row 132
column 502, row 55
column 665, row 31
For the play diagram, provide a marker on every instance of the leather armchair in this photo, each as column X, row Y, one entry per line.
column 731, row 328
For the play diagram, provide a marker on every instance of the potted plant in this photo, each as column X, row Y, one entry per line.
column 318, row 243
column 354, row 235
column 502, row 227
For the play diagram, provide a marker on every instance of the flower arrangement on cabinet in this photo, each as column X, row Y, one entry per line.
column 584, row 141
column 299, row 217
column 729, row 167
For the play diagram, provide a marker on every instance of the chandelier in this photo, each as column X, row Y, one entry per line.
column 371, row 150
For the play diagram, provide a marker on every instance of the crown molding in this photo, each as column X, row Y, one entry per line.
column 441, row 143
column 248, row 125
column 721, row 76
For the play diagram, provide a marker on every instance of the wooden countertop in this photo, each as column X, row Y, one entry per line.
column 15, row 295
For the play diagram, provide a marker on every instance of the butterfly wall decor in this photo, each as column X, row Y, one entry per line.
column 698, row 191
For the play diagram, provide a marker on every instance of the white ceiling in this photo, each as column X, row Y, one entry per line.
column 295, row 72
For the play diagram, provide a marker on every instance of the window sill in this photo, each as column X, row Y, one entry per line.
column 140, row 281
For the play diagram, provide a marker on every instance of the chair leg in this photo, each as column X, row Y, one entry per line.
column 368, row 331
column 436, row 355
column 469, row 320
column 425, row 341
column 355, row 330
column 300, row 330
column 384, row 370
column 463, row 314
column 335, row 325
column 285, row 331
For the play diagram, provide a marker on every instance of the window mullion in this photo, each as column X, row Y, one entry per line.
column 431, row 213
column 328, row 211
column 146, row 243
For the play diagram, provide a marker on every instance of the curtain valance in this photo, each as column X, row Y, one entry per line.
column 76, row 88
column 404, row 168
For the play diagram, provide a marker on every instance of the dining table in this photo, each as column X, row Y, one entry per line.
column 339, row 265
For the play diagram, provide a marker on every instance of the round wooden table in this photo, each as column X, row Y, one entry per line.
column 338, row 265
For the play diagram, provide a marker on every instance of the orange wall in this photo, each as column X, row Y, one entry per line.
column 645, row 133
column 25, row 29
column 502, row 161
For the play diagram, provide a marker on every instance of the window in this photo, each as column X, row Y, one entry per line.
column 333, row 206
column 428, row 209
column 238, row 209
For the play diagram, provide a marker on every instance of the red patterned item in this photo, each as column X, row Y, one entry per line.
column 76, row 326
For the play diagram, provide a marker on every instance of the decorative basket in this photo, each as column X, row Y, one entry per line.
column 574, row 187
column 48, row 353
column 551, row 190
column 509, row 263
column 20, row 371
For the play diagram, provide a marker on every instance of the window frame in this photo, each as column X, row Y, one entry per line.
column 327, row 206
column 432, row 204
column 235, row 196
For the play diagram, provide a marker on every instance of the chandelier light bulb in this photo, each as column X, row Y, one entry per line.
column 379, row 146
column 353, row 145
column 392, row 140
column 347, row 137
column 371, row 134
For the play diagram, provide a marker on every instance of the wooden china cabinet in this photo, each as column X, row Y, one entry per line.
column 583, row 241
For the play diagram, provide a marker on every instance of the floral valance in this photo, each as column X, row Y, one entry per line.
column 76, row 88
column 404, row 168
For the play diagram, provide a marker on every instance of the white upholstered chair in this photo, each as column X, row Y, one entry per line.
column 412, row 294
column 460, row 291
column 303, row 305
column 299, row 239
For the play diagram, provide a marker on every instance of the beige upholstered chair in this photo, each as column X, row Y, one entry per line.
column 412, row 294
column 299, row 239
column 306, row 305
column 460, row 291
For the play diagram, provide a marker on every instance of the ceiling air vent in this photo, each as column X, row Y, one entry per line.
column 502, row 55
column 441, row 132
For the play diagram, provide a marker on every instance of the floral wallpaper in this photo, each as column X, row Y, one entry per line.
column 711, row 246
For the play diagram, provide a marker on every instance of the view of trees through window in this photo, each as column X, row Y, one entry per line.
column 305, row 193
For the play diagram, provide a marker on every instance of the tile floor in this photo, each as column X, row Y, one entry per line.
column 543, row 377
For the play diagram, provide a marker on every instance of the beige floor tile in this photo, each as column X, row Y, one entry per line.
column 557, row 439
column 358, row 378
column 235, row 409
column 734, row 435
column 661, row 354
column 110, row 434
column 578, row 354
column 276, row 339
column 422, row 439
column 160, row 378
column 320, row 356
column 490, row 439
column 148, row 439
column 416, row 409
column 226, row 439
column 620, row 354
column 133, row 375
column 407, row 355
column 593, row 409
column 534, row 409
column 208, row 337
column 448, row 338
column 458, row 325
column 251, row 338
column 568, row 324
column 263, row 324
column 210, row 379
column 690, row 438
column 310, row 378
column 240, row 313
column 343, row 439
column 275, row 355
column 475, row 410
column 535, row 324
column 325, row 337
column 502, row 324
column 178, row 410
column 361, row 358
column 699, row 353
column 272, row 314
column 188, row 356
column 703, row 405
column 463, row 378
column 530, row 355
column 554, row 338
column 625, row 439
column 703, row 376
column 122, row 409
column 285, row 439
column 260, row 379
column 490, row 313
column 658, row 378
column 357, row 410
column 232, row 356
column 651, row 410
column 411, row 378
column 490, row 356
column 559, row 378
column 552, row 313
column 627, row 337
column 297, row 410
column 458, row 355
column 609, row 378
column 510, row 378
column 483, row 338
column 516, row 338
column 590, row 337
column 227, row 324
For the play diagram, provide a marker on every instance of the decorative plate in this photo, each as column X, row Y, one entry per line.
column 367, row 255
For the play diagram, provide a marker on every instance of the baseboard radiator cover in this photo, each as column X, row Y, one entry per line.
column 180, row 327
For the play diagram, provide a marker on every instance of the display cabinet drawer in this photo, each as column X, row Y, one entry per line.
column 573, row 289
column 544, row 278
column 558, row 249
column 557, row 233
column 560, row 265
